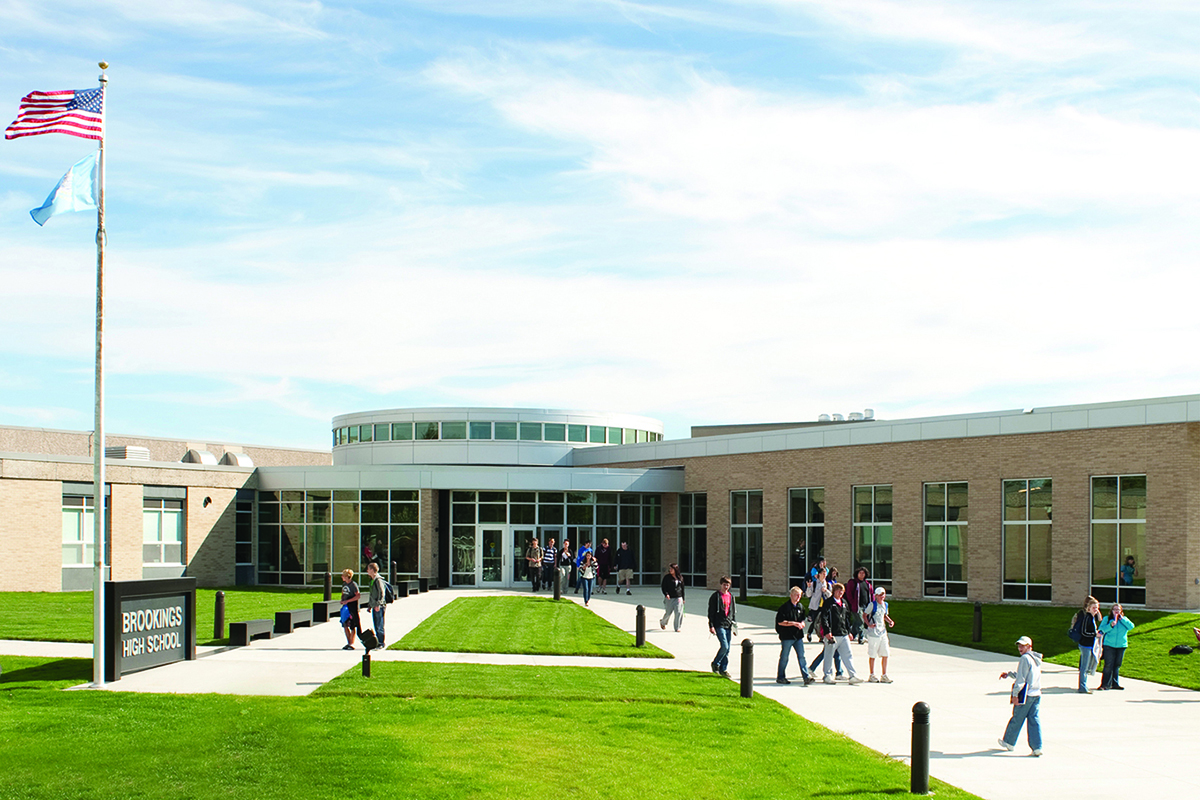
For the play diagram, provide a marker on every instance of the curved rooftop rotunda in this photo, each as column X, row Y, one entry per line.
column 498, row 436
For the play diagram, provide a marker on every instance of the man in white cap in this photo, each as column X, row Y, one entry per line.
column 1026, row 694
column 876, row 618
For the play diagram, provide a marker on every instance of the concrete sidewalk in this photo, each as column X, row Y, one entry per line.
column 1108, row 744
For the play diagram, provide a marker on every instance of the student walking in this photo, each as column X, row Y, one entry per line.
column 587, row 576
column 722, row 616
column 877, row 621
column 789, row 625
column 672, row 589
column 1025, row 697
column 835, row 617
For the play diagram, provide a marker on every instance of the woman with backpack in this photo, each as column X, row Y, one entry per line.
column 1087, row 628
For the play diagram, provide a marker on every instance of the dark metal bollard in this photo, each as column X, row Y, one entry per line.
column 640, row 635
column 920, row 750
column 557, row 584
column 367, row 664
column 328, row 586
column 977, row 628
column 742, row 588
column 392, row 577
column 219, row 616
column 747, row 668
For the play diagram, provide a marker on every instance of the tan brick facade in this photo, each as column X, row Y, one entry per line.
column 1167, row 454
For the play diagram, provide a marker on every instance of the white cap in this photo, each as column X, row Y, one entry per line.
column 880, row 590
column 1025, row 640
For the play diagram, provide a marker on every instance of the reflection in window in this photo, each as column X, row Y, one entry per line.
column 872, row 543
column 946, row 539
column 1026, row 545
column 693, row 538
column 745, row 533
column 1119, row 539
column 806, row 532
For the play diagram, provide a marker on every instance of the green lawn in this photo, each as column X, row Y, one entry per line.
column 529, row 625
column 24, row 615
column 1149, row 643
column 428, row 731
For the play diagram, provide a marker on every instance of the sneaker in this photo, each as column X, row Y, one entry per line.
column 828, row 680
column 809, row 680
column 348, row 647
column 784, row 681
column 840, row 676
column 604, row 591
column 855, row 680
column 1037, row 752
column 872, row 679
column 724, row 674
column 714, row 668
column 662, row 625
column 885, row 679
column 1119, row 688
column 1008, row 746
column 628, row 592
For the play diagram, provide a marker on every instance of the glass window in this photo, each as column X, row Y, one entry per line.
column 531, row 431
column 353, row 435
column 806, row 532
column 1119, row 539
column 641, row 436
column 614, row 436
column 162, row 532
column 506, row 431
column 454, row 430
column 555, row 432
column 872, row 539
column 366, row 433
column 426, row 430
column 745, row 532
column 402, row 431
column 596, row 434
column 693, row 538
column 630, row 436
column 946, row 539
column 481, row 430
column 577, row 433
column 1026, row 539
column 383, row 432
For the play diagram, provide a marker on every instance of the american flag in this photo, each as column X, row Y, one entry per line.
column 74, row 112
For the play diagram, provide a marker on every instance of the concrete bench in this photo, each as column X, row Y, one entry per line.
column 405, row 588
column 325, row 610
column 288, row 621
column 240, row 633
column 424, row 582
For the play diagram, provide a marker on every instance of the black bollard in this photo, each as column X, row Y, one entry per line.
column 328, row 586
column 367, row 664
column 977, row 628
column 747, row 668
column 742, row 588
column 557, row 584
column 219, row 616
column 392, row 577
column 920, row 750
column 640, row 630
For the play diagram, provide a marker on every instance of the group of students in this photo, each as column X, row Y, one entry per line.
column 579, row 571
column 376, row 602
column 1100, row 638
column 832, row 616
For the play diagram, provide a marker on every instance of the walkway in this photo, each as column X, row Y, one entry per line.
column 1139, row 742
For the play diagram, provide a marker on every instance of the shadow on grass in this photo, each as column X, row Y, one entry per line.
column 65, row 670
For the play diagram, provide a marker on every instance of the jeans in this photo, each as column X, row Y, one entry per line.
column 785, row 652
column 1111, row 677
column 672, row 605
column 377, row 622
column 840, row 646
column 587, row 589
column 1087, row 665
column 721, row 662
column 1026, row 714
column 837, row 660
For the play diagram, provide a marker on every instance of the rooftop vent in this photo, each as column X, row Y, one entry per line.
column 236, row 460
column 128, row 453
column 199, row 457
column 822, row 418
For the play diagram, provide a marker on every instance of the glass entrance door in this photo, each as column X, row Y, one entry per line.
column 493, row 544
column 521, row 537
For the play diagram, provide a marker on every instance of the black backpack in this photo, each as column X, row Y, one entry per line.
column 1076, row 629
column 389, row 594
column 1181, row 650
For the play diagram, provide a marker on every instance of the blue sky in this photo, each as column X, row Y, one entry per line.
column 703, row 212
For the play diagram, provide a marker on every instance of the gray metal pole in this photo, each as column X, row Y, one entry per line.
column 328, row 586
column 557, row 583
column 977, row 627
column 219, row 616
column 920, row 749
column 98, row 437
column 747, row 676
column 640, row 635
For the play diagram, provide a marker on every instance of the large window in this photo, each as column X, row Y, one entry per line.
column 1028, row 509
column 873, row 533
column 1119, row 539
column 745, row 536
column 304, row 534
column 946, row 539
column 693, row 538
column 162, row 531
column 79, row 531
column 806, row 532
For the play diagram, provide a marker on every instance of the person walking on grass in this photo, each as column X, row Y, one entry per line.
column 835, row 619
column 349, row 613
column 672, row 589
column 1025, row 698
column 789, row 624
column 722, row 615
column 375, row 601
column 877, row 621
column 1115, row 628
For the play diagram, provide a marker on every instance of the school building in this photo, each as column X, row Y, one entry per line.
column 1039, row 505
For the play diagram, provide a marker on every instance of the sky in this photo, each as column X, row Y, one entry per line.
column 707, row 212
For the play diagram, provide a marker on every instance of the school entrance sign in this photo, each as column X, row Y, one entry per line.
column 148, row 624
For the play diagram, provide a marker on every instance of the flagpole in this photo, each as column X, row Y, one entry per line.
column 98, row 439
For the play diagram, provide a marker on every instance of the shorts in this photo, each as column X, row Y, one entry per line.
column 624, row 575
column 877, row 646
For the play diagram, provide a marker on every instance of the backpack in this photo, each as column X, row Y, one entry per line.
column 1181, row 650
column 389, row 594
column 1075, row 631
